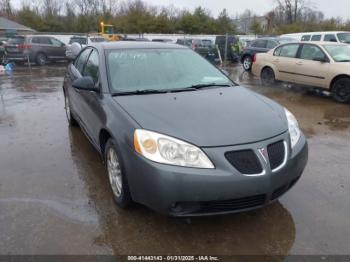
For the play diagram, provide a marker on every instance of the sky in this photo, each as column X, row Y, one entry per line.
column 331, row 8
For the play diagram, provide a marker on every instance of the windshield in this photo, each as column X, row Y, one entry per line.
column 159, row 69
column 339, row 53
column 80, row 40
column 344, row 37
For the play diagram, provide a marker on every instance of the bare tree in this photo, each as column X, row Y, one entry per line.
column 6, row 8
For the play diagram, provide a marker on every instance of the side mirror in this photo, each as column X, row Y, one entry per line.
column 84, row 83
column 321, row 59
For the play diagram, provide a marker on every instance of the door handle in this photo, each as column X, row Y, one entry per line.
column 299, row 63
column 276, row 60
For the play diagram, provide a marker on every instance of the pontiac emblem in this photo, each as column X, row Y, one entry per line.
column 264, row 154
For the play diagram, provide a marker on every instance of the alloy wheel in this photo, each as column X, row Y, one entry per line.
column 114, row 172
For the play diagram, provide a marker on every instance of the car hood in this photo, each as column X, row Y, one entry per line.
column 208, row 118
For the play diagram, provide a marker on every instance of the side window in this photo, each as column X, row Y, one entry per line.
column 91, row 67
column 305, row 38
column 36, row 40
column 45, row 41
column 316, row 38
column 289, row 50
column 259, row 44
column 330, row 38
column 81, row 60
column 56, row 42
column 277, row 51
column 271, row 44
column 311, row 52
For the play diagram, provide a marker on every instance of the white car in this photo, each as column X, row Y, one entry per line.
column 76, row 43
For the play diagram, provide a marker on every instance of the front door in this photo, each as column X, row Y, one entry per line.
column 312, row 66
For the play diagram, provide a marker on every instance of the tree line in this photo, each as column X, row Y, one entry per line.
column 136, row 16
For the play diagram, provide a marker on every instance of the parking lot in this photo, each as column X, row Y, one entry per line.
column 55, row 197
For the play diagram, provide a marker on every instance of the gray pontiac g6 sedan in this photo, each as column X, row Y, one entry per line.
column 177, row 135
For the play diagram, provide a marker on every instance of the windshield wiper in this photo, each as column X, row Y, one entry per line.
column 140, row 92
column 345, row 60
column 200, row 86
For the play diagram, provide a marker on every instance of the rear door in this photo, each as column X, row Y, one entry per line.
column 284, row 60
column 311, row 72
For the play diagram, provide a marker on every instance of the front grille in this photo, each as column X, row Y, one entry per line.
column 276, row 154
column 245, row 161
column 231, row 205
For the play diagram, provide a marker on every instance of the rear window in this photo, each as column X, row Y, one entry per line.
column 16, row 40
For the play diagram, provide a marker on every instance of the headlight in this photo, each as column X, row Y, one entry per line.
column 168, row 150
column 293, row 128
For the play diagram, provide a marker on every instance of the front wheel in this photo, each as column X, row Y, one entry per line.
column 116, row 175
column 247, row 63
column 268, row 77
column 341, row 90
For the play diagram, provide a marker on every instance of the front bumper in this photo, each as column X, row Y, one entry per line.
column 180, row 191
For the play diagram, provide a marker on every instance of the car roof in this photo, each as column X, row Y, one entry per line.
column 135, row 45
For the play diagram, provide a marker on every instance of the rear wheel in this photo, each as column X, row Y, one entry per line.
column 41, row 59
column 268, row 77
column 247, row 63
column 116, row 175
column 70, row 117
column 341, row 90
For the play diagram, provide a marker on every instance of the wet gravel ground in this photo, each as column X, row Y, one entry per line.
column 55, row 198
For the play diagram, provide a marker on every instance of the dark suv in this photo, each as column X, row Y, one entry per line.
column 38, row 49
column 260, row 45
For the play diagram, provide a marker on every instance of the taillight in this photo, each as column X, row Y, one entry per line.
column 24, row 46
column 254, row 58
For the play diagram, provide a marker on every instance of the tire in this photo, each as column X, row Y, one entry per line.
column 41, row 59
column 268, row 77
column 116, row 175
column 70, row 118
column 247, row 63
column 341, row 90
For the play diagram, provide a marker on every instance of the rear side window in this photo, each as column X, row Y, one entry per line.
column 316, row 38
column 36, row 40
column 41, row 40
column 305, row 38
column 330, row 38
column 259, row 44
column 81, row 60
column 287, row 51
column 91, row 67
